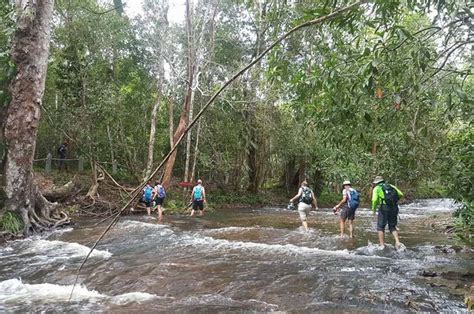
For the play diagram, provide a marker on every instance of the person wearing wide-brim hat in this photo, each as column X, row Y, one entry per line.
column 385, row 199
column 346, row 212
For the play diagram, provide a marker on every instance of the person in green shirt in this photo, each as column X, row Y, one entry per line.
column 385, row 199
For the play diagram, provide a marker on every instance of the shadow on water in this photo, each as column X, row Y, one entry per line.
column 239, row 259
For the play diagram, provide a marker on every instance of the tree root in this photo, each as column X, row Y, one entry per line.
column 100, row 207
column 65, row 220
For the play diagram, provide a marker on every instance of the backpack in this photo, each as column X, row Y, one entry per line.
column 353, row 201
column 198, row 193
column 161, row 191
column 306, row 196
column 390, row 195
column 147, row 194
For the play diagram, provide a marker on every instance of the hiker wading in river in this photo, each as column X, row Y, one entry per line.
column 198, row 198
column 306, row 201
column 347, row 208
column 385, row 199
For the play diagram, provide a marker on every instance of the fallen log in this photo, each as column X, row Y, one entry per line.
column 56, row 194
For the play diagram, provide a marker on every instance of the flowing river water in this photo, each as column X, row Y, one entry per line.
column 239, row 260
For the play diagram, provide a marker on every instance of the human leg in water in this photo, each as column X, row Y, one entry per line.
column 351, row 228
column 381, row 238
column 382, row 220
column 342, row 223
column 159, row 201
column 398, row 244
column 303, row 211
column 305, row 225
column 392, row 226
column 160, row 213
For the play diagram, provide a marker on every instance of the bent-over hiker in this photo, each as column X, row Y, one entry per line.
column 306, row 200
column 198, row 198
column 385, row 199
column 347, row 208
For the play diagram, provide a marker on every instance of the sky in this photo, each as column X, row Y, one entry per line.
column 175, row 13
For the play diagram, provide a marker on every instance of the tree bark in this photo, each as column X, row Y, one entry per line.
column 30, row 54
column 109, row 135
column 196, row 151
column 170, row 118
column 253, row 144
column 151, row 141
column 187, row 100
column 188, row 140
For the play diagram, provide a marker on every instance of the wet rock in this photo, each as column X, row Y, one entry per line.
column 450, row 249
column 428, row 273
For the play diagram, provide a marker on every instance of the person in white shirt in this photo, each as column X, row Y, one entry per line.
column 307, row 200
column 345, row 212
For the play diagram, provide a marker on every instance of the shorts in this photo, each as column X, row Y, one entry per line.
column 148, row 204
column 347, row 213
column 159, row 201
column 386, row 216
column 198, row 205
column 303, row 210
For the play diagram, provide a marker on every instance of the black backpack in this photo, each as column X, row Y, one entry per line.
column 306, row 196
column 390, row 195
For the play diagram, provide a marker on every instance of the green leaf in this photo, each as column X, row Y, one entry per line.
column 368, row 117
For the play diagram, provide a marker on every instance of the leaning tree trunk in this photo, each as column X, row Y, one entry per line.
column 30, row 54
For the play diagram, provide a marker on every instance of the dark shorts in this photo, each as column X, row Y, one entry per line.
column 347, row 213
column 386, row 216
column 149, row 204
column 198, row 205
column 159, row 201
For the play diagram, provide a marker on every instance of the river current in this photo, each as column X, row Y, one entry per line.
column 239, row 260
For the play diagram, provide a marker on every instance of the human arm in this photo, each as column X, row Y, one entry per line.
column 375, row 198
column 297, row 195
column 399, row 193
column 344, row 200
column 204, row 195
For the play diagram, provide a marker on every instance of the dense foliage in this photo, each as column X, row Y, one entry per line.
column 382, row 90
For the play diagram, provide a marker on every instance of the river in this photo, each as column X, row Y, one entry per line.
column 239, row 260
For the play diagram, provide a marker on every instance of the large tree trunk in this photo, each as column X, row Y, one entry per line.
column 187, row 100
column 30, row 53
column 196, row 151
column 188, row 140
column 254, row 142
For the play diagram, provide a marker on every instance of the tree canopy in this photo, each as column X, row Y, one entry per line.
column 383, row 89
